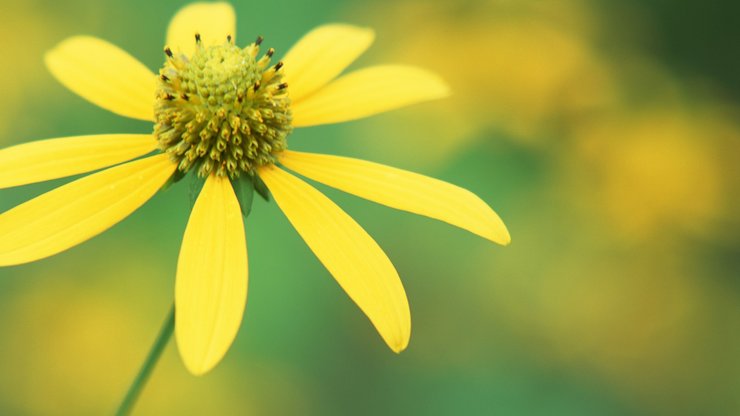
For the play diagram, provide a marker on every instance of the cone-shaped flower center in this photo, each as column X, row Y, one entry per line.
column 222, row 110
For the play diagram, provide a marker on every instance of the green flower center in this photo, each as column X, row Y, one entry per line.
column 222, row 110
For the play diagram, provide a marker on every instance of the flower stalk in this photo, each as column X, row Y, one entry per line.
column 168, row 327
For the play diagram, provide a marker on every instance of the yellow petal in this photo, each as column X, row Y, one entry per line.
column 213, row 21
column 348, row 252
column 402, row 190
column 56, row 158
column 73, row 213
column 321, row 55
column 367, row 92
column 105, row 75
column 211, row 285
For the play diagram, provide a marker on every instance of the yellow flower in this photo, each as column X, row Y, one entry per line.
column 225, row 113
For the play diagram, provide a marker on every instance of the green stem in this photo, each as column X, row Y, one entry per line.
column 155, row 353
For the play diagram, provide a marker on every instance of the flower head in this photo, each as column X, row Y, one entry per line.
column 222, row 110
column 225, row 113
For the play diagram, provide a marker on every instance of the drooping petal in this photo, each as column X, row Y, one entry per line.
column 354, row 259
column 402, row 190
column 105, row 75
column 73, row 213
column 321, row 55
column 211, row 285
column 367, row 92
column 44, row 160
column 213, row 21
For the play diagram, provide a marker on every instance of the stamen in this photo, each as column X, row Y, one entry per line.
column 168, row 51
column 197, row 38
column 259, row 40
column 278, row 66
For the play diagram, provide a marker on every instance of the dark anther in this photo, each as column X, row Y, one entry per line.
column 256, row 85
column 278, row 66
column 228, row 38
column 165, row 78
column 168, row 51
column 270, row 52
column 259, row 40
column 283, row 86
column 169, row 97
column 185, row 97
column 197, row 38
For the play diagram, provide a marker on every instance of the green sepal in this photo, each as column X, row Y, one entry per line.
column 175, row 178
column 261, row 188
column 244, row 190
column 195, row 184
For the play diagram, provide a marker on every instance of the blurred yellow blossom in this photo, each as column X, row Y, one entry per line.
column 15, row 79
column 655, row 170
column 514, row 67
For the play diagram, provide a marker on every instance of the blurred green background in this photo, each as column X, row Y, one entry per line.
column 605, row 134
